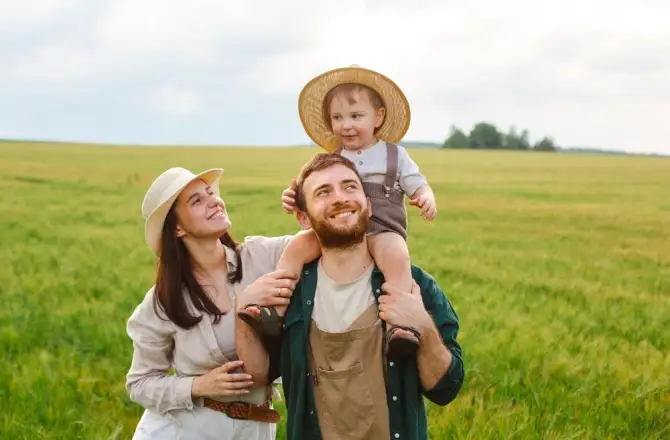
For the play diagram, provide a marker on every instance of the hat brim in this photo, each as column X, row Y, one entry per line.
column 311, row 101
column 153, row 226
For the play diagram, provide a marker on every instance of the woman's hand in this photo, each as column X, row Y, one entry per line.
column 272, row 289
column 222, row 381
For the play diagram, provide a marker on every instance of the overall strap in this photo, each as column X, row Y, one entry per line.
column 391, row 166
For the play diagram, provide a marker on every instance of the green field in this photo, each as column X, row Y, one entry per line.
column 558, row 266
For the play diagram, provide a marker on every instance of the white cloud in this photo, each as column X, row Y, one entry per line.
column 171, row 100
column 587, row 73
column 20, row 18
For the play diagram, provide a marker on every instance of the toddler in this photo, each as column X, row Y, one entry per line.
column 360, row 114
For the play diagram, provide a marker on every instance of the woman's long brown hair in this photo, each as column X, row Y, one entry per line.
column 175, row 273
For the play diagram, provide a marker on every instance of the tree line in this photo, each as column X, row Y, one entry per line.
column 486, row 136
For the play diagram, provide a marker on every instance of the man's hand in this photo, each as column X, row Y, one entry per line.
column 404, row 309
column 424, row 199
column 288, row 197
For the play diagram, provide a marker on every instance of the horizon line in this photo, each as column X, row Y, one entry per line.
column 409, row 143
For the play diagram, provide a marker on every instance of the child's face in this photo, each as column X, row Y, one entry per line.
column 354, row 120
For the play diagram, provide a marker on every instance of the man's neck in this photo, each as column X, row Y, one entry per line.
column 344, row 265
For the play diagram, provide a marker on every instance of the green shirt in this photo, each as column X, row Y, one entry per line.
column 407, row 414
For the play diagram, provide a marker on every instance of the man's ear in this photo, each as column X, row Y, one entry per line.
column 367, row 199
column 303, row 220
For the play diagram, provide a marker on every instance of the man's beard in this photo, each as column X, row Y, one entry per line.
column 345, row 237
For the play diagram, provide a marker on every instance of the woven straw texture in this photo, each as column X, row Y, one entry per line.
column 310, row 105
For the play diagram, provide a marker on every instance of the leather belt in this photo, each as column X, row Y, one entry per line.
column 244, row 410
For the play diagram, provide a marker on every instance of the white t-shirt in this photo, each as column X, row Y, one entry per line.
column 338, row 304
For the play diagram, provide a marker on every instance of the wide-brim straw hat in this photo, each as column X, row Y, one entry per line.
column 161, row 195
column 311, row 102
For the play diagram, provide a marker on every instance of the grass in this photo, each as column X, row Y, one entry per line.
column 558, row 266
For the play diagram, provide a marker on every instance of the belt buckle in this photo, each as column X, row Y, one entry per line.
column 239, row 410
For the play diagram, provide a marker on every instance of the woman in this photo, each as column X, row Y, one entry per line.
column 184, row 322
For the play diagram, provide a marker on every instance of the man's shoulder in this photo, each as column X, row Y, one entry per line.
column 421, row 276
column 431, row 291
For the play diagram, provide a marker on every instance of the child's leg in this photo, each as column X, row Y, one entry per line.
column 303, row 249
column 391, row 255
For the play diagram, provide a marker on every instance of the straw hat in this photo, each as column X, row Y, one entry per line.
column 311, row 100
column 161, row 195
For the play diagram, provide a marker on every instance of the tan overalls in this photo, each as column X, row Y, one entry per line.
column 350, row 380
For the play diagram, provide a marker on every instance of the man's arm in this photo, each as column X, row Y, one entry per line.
column 252, row 351
column 439, row 360
column 434, row 359
column 259, row 353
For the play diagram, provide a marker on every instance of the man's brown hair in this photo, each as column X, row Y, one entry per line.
column 320, row 162
column 349, row 90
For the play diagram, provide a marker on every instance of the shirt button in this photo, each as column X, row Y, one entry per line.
column 359, row 152
column 395, row 397
column 397, row 435
column 360, row 162
column 377, row 290
column 306, row 272
column 391, row 363
column 309, row 302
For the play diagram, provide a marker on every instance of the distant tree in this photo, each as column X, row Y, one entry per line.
column 485, row 136
column 524, row 141
column 514, row 141
column 546, row 144
column 457, row 139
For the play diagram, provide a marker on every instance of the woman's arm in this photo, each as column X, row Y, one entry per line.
column 147, row 380
column 288, row 255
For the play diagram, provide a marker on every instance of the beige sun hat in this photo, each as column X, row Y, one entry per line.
column 161, row 195
column 311, row 101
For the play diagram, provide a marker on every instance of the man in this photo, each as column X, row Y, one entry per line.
column 336, row 380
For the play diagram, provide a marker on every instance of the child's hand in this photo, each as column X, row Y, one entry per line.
column 288, row 197
column 424, row 199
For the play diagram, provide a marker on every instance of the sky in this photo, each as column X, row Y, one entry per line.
column 590, row 73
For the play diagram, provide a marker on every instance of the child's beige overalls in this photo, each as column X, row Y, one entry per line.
column 388, row 202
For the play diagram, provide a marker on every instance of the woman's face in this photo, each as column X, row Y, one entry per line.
column 201, row 213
